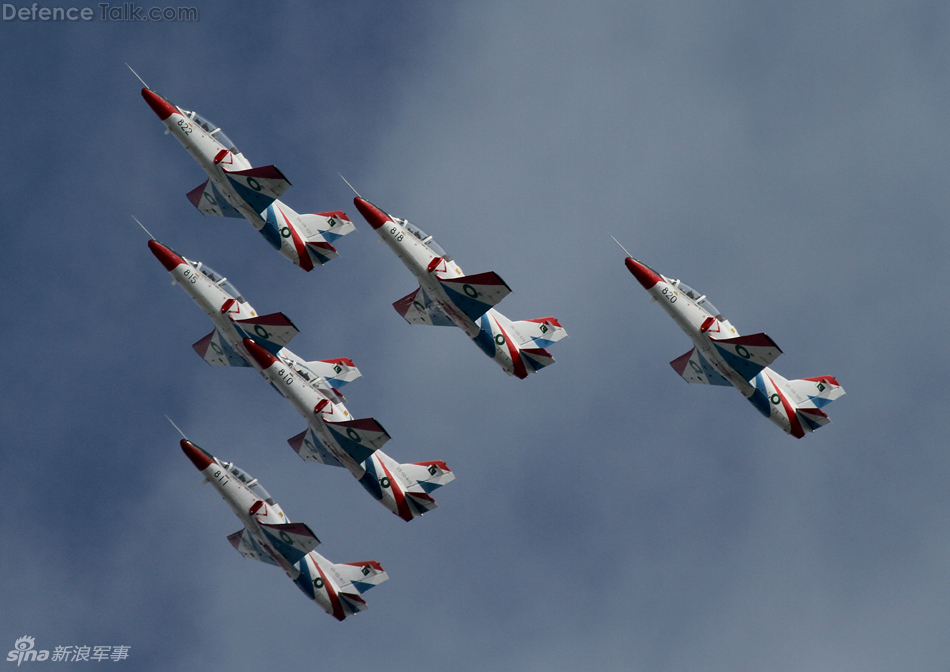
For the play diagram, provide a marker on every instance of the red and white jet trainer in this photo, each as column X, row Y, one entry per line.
column 448, row 298
column 270, row 537
column 235, row 189
column 241, row 337
column 721, row 356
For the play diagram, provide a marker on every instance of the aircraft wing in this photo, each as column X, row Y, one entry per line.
column 271, row 332
column 218, row 352
column 309, row 446
column 747, row 355
column 359, row 438
column 246, row 545
column 209, row 201
column 258, row 187
column 695, row 369
column 291, row 540
column 475, row 294
column 417, row 308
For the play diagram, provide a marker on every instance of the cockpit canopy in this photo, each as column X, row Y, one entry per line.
column 249, row 481
column 424, row 238
column 700, row 299
column 213, row 130
column 217, row 279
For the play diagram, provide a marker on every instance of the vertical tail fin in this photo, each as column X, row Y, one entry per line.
column 810, row 396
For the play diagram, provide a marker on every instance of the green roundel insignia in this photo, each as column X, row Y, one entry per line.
column 217, row 348
column 318, row 582
column 254, row 184
column 469, row 291
column 775, row 398
column 384, row 481
column 285, row 232
column 350, row 432
column 500, row 339
column 261, row 331
column 286, row 538
column 418, row 306
column 742, row 352
column 695, row 367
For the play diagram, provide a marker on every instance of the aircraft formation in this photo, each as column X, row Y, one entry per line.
column 445, row 297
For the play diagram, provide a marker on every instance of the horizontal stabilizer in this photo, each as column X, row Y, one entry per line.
column 359, row 438
column 538, row 333
column 475, row 294
column 535, row 359
column 218, row 352
column 309, row 446
column 747, row 355
column 271, row 332
column 429, row 475
column 417, row 308
column 291, row 540
column 325, row 226
column 337, row 372
column 246, row 545
column 210, row 201
column 258, row 187
column 695, row 369
column 362, row 575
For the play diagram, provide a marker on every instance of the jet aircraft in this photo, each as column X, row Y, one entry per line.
column 720, row 356
column 241, row 337
column 446, row 297
column 236, row 189
column 270, row 537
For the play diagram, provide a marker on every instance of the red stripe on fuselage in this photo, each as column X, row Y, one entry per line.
column 516, row 362
column 401, row 506
column 796, row 426
column 303, row 257
column 338, row 612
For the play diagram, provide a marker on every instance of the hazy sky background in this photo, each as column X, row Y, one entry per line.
column 789, row 161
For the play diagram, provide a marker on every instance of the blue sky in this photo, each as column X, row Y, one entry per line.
column 790, row 162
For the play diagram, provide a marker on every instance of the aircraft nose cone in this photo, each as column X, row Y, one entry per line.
column 159, row 105
column 371, row 213
column 260, row 355
column 645, row 275
column 198, row 457
column 169, row 259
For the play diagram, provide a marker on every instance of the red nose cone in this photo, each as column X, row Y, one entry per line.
column 371, row 213
column 169, row 259
column 162, row 107
column 645, row 275
column 198, row 457
column 260, row 355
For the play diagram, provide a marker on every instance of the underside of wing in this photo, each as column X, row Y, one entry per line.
column 218, row 352
column 695, row 369
column 271, row 332
column 258, row 187
column 747, row 355
column 291, row 540
column 418, row 308
column 475, row 294
column 246, row 545
column 309, row 446
column 210, row 201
